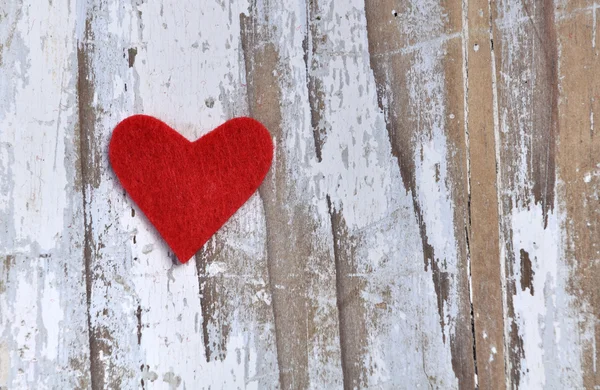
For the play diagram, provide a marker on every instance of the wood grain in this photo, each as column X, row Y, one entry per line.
column 431, row 218
column 578, row 168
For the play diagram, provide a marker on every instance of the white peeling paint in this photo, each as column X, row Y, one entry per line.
column 52, row 315
column 363, row 182
column 42, row 298
column 438, row 211
column 542, row 248
column 189, row 71
column 426, row 90
column 4, row 364
column 547, row 323
column 24, row 329
column 493, row 353
column 33, row 126
column 546, row 317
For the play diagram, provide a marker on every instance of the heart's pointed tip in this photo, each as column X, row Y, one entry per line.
column 182, row 262
column 183, row 256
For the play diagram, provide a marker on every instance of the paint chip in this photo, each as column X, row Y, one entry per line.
column 132, row 52
column 215, row 268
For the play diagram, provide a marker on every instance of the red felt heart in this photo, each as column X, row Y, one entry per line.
column 188, row 190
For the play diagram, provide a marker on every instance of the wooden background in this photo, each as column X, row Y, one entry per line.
column 431, row 219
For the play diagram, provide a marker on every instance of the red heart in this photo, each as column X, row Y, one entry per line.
column 188, row 190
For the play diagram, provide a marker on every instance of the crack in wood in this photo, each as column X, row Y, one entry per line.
column 90, row 174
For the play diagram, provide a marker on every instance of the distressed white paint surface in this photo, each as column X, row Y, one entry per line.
column 190, row 77
column 361, row 174
column 283, row 27
column 545, row 318
column 43, row 324
column 152, row 323
column 547, row 324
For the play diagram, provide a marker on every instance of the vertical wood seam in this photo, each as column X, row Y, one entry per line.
column 465, row 51
column 338, row 288
column 86, row 125
column 502, row 259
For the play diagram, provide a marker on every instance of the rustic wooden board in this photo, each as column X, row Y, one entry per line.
column 544, row 60
column 43, row 320
column 487, row 272
column 431, row 219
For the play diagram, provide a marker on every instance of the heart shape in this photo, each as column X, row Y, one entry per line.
column 188, row 190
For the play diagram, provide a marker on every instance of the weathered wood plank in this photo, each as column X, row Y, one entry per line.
column 487, row 273
column 328, row 75
column 154, row 322
column 235, row 293
column 299, row 241
column 578, row 191
column 416, row 55
column 539, row 79
column 43, row 323
column 114, row 306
